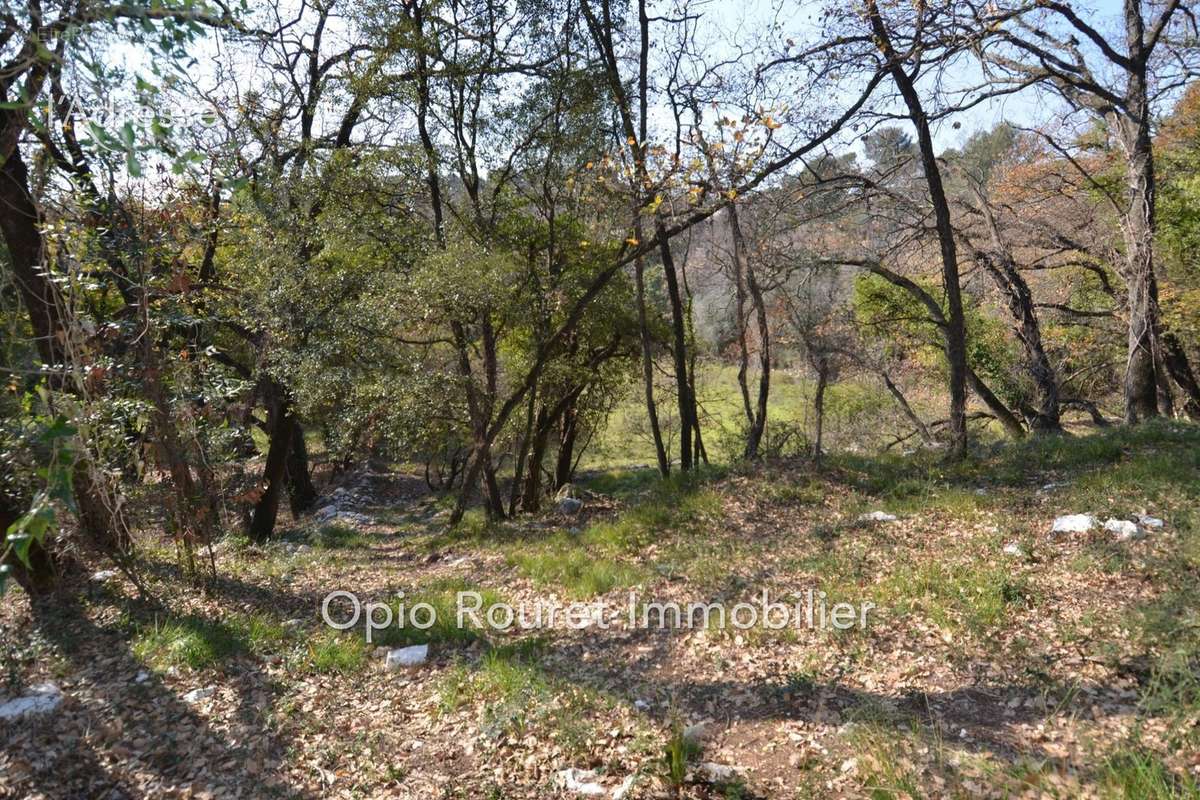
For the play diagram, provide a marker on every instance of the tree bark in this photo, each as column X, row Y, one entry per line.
column 746, row 283
column 821, row 364
column 902, row 401
column 1142, row 377
column 302, row 495
column 21, row 223
column 683, row 388
column 955, row 328
column 1177, row 364
column 1002, row 412
column 281, row 424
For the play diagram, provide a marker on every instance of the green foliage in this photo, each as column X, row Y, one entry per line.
column 678, row 754
column 329, row 653
column 442, row 597
column 199, row 643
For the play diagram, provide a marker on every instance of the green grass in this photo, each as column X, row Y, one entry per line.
column 1137, row 775
column 442, row 597
column 975, row 596
column 601, row 558
column 678, row 754
column 517, row 697
column 335, row 536
column 329, row 653
column 198, row 643
column 564, row 565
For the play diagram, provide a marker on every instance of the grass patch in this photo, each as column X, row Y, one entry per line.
column 198, row 643
column 597, row 560
column 517, row 697
column 574, row 570
column 330, row 653
column 975, row 596
column 335, row 536
column 442, row 597
column 1136, row 774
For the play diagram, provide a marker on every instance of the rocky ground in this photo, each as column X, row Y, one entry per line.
column 1035, row 633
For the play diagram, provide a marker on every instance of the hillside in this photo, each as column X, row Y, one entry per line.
column 1000, row 659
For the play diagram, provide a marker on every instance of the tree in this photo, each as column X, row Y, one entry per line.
column 1117, row 86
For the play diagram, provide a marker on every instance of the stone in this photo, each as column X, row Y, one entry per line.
column 1014, row 549
column 412, row 656
column 1125, row 530
column 293, row 624
column 196, row 695
column 622, row 791
column 41, row 699
column 580, row 781
column 641, row 705
column 1146, row 521
column 141, row 677
column 1073, row 523
column 696, row 732
column 569, row 506
column 877, row 516
column 104, row 575
column 718, row 773
column 567, row 490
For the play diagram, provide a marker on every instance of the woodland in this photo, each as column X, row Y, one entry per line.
column 894, row 300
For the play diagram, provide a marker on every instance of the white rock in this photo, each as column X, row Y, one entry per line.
column 1125, row 530
column 877, row 516
column 1149, row 522
column 623, row 790
column 196, row 695
column 293, row 624
column 580, row 781
column 141, row 677
column 326, row 513
column 718, row 773
column 407, row 656
column 569, row 505
column 41, row 699
column 641, row 705
column 1073, row 523
column 104, row 575
column 1014, row 549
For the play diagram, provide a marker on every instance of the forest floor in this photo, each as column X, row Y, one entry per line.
column 1000, row 660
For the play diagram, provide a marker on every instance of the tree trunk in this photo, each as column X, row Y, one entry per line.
column 747, row 284
column 281, row 424
column 531, row 499
column 302, row 495
column 1177, row 364
column 955, row 327
column 683, row 387
column 1142, row 377
column 20, row 222
column 821, row 365
column 1001, row 412
column 902, row 401
column 660, row 451
column 564, row 466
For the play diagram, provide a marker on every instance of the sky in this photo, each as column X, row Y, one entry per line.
column 728, row 23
